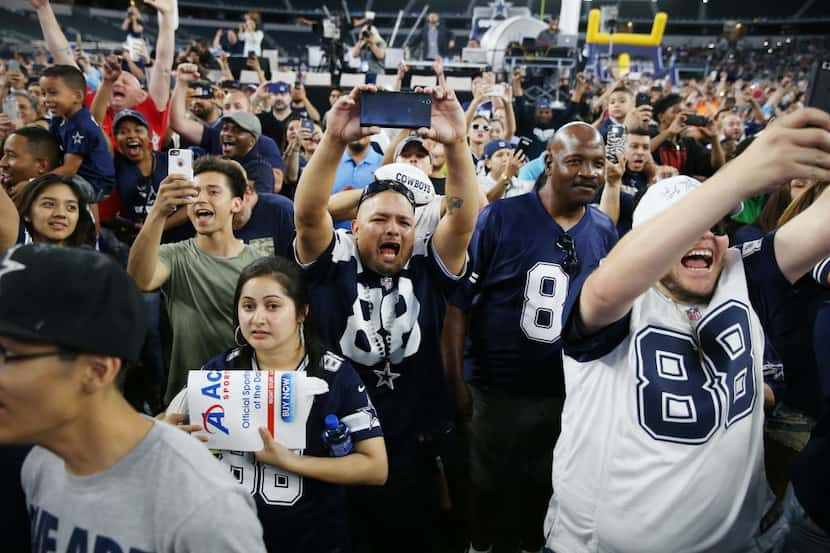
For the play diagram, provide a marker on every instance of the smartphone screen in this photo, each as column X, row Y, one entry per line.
column 398, row 110
column 818, row 91
column 308, row 124
column 180, row 162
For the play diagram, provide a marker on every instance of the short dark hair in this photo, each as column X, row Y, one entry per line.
column 640, row 131
column 84, row 233
column 71, row 76
column 665, row 103
column 237, row 180
column 623, row 89
column 42, row 144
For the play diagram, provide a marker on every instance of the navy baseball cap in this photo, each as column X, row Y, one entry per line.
column 543, row 104
column 75, row 298
column 495, row 145
column 129, row 114
column 279, row 87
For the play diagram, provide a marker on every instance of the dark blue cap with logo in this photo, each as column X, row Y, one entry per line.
column 279, row 87
column 129, row 114
column 495, row 145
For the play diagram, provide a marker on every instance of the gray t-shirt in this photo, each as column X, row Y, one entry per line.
column 167, row 495
column 199, row 298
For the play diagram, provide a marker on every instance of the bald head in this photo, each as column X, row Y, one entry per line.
column 572, row 134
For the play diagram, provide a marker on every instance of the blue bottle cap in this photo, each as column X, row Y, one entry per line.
column 331, row 422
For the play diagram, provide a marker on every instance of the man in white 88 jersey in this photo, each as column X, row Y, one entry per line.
column 662, row 431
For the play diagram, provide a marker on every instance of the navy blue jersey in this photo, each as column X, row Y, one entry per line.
column 301, row 514
column 137, row 194
column 517, row 288
column 81, row 135
column 270, row 230
column 389, row 328
column 810, row 475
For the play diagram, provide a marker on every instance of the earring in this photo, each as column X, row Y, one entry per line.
column 238, row 338
column 302, row 336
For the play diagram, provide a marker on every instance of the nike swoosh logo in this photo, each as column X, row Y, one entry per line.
column 361, row 388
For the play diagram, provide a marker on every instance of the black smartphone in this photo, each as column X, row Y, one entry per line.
column 251, row 55
column 696, row 121
column 643, row 99
column 397, row 110
column 308, row 124
column 523, row 144
column 818, row 91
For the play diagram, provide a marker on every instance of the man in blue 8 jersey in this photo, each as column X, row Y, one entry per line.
column 525, row 252
column 662, row 431
column 385, row 297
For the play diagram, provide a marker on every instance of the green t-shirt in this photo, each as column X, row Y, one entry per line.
column 199, row 298
column 750, row 209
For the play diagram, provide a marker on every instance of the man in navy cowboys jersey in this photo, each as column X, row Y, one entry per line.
column 385, row 295
column 525, row 251
column 662, row 431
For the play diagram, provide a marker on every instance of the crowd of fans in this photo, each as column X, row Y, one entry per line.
column 446, row 284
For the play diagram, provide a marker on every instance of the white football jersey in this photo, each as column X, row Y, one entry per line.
column 661, row 447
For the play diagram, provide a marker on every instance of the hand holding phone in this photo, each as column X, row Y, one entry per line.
column 694, row 120
column 818, row 91
column 643, row 99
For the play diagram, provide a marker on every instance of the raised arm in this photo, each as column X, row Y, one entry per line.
column 159, row 85
column 311, row 216
column 191, row 130
column 454, row 230
column 144, row 264
column 805, row 240
column 111, row 70
column 56, row 41
column 609, row 202
column 787, row 150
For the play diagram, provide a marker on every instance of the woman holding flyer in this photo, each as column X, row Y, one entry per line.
column 299, row 494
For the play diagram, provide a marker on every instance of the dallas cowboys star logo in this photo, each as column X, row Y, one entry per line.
column 386, row 377
column 77, row 138
column 7, row 265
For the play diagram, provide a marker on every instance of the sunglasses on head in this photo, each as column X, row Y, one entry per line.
column 378, row 186
column 571, row 261
column 720, row 229
column 480, row 126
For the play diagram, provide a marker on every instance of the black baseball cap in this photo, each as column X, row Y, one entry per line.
column 75, row 298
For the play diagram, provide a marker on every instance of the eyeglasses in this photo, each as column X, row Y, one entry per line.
column 571, row 261
column 378, row 186
column 480, row 126
column 7, row 358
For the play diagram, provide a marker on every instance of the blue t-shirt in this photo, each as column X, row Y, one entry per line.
column 517, row 289
column 81, row 135
column 389, row 328
column 137, row 194
column 270, row 230
column 258, row 163
column 350, row 175
column 292, row 508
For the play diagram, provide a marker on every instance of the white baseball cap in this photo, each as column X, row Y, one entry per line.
column 665, row 193
column 662, row 195
column 411, row 177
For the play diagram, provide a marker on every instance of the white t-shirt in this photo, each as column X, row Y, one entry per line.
column 253, row 42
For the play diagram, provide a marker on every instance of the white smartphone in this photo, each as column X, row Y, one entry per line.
column 10, row 107
column 497, row 90
column 180, row 162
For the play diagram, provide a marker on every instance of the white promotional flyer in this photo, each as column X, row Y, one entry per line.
column 231, row 405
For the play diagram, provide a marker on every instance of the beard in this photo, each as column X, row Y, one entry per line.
column 357, row 147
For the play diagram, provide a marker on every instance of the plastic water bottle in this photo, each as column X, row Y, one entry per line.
column 337, row 436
